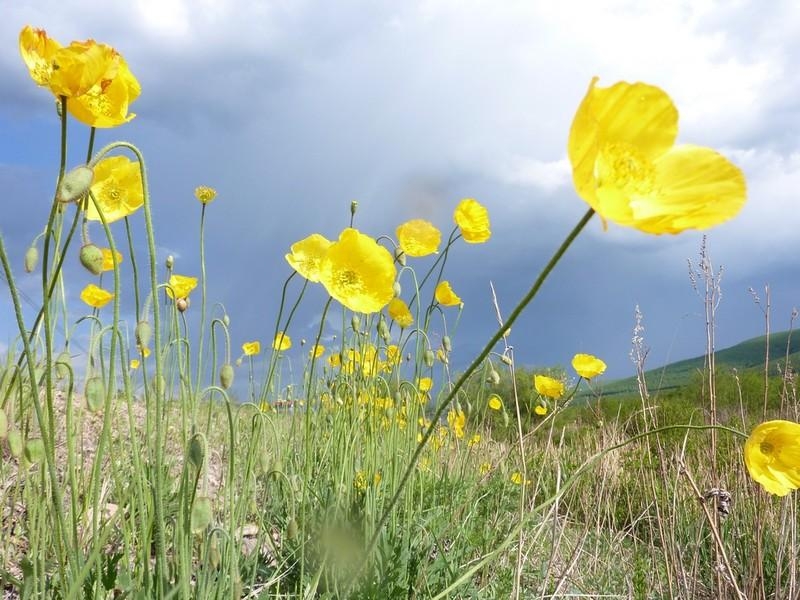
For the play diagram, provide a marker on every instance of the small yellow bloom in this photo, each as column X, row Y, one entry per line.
column 457, row 420
column 547, row 386
column 626, row 167
column 251, row 348
column 772, row 456
column 108, row 261
column 495, row 403
column 473, row 220
column 588, row 366
column 358, row 272
column 425, row 384
column 485, row 467
column 516, row 478
column 418, row 237
column 145, row 352
column 335, row 360
column 317, row 351
column 306, row 256
column 360, row 481
column 282, row 342
column 474, row 440
column 445, row 295
column 205, row 194
column 134, row 363
column 180, row 286
column 117, row 188
column 540, row 409
column 398, row 310
column 96, row 297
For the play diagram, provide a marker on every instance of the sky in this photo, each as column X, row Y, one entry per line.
column 292, row 110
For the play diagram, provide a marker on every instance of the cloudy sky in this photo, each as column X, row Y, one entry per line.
column 291, row 109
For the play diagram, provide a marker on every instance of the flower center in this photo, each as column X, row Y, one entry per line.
column 766, row 448
column 624, row 167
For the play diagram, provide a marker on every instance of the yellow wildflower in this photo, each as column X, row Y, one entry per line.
column 547, row 386
column 418, row 237
column 251, row 348
column 445, row 295
column 205, row 194
column 772, row 456
column 96, row 297
column 473, row 220
column 282, row 342
column 588, row 366
column 398, row 310
column 117, row 188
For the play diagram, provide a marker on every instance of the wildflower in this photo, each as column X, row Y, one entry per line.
column 317, row 351
column 516, row 478
column 358, row 272
column 473, row 220
column 306, row 256
column 495, row 403
column 456, row 420
column 484, row 468
column 205, row 194
column 134, row 364
column 418, row 237
column 445, row 295
column 96, row 297
column 474, row 440
column 251, row 348
column 626, row 167
column 180, row 286
column 360, row 481
column 334, row 360
column 398, row 310
column 588, row 366
column 424, row 384
column 117, row 189
column 772, row 456
column 282, row 342
column 108, row 260
column 145, row 352
column 547, row 386
column 540, row 409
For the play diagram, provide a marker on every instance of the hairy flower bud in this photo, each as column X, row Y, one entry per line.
column 226, row 376
column 170, row 262
column 226, row 320
column 355, row 322
column 447, row 344
column 397, row 289
column 143, row 333
column 31, row 259
column 92, row 258
column 63, row 365
column 182, row 304
column 95, row 393
column 75, row 184
column 429, row 358
column 493, row 377
column 197, row 450
column 400, row 256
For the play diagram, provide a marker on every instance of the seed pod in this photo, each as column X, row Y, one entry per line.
column 95, row 393
column 31, row 259
column 75, row 184
column 226, row 376
column 92, row 258
column 143, row 333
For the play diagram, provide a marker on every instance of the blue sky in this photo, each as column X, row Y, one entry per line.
column 293, row 109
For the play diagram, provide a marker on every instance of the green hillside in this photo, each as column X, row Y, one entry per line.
column 745, row 355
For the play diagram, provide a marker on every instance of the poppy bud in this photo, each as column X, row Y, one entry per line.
column 506, row 359
column 291, row 529
column 493, row 377
column 447, row 344
column 226, row 376
column 15, row 443
column 197, row 450
column 355, row 322
column 429, row 358
column 226, row 320
column 182, row 304
column 400, row 256
column 63, row 365
column 92, row 258
column 353, row 207
column 31, row 259
column 383, row 330
column 3, row 424
column 95, row 393
column 170, row 262
column 75, row 184
column 34, row 451
column 143, row 332
column 397, row 289
column 201, row 514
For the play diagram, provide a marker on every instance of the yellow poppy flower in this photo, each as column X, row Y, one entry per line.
column 398, row 310
column 424, row 384
column 445, row 295
column 205, row 194
column 145, row 352
column 134, row 364
column 540, row 409
column 516, row 478
column 772, row 456
column 316, row 351
column 106, row 103
column 334, row 360
column 117, row 188
column 180, row 286
column 473, row 220
column 474, row 440
column 282, row 342
column 626, row 167
column 418, row 237
column 547, row 386
column 251, row 348
column 108, row 261
column 96, row 297
column 484, row 468
column 457, row 420
column 358, row 272
column 495, row 403
column 306, row 256
column 588, row 366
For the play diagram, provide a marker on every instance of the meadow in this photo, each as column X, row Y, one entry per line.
column 163, row 463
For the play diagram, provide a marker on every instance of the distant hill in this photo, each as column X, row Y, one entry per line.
column 745, row 355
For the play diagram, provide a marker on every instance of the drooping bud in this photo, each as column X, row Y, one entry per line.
column 201, row 514
column 31, row 259
column 34, row 450
column 75, row 184
column 400, row 256
column 197, row 450
column 383, row 330
column 507, row 359
column 353, row 207
column 226, row 376
column 92, row 258
column 226, row 320
column 355, row 322
column 143, row 333
column 493, row 377
column 397, row 289
column 63, row 365
column 170, row 262
column 182, row 304
column 447, row 344
column 95, row 393
column 291, row 529
column 429, row 358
